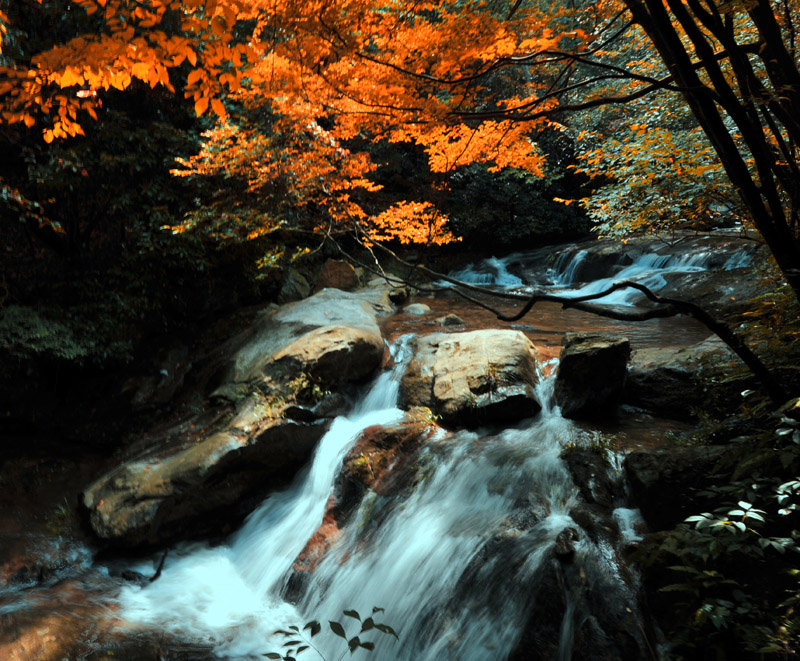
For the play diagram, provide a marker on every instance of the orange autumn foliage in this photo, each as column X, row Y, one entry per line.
column 330, row 72
column 467, row 81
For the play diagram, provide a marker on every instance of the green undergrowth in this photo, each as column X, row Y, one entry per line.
column 725, row 583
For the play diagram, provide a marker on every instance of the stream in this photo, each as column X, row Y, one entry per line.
column 464, row 561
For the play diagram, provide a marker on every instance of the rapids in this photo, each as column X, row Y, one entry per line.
column 454, row 563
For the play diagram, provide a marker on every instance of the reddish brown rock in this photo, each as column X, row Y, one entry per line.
column 381, row 461
column 337, row 274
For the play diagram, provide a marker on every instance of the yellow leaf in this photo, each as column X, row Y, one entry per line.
column 48, row 136
column 217, row 107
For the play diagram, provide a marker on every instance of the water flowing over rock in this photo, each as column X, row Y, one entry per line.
column 473, row 378
column 580, row 611
column 591, row 374
column 255, row 434
column 380, row 462
column 665, row 380
column 156, row 500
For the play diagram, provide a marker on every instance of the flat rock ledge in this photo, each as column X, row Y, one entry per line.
column 473, row 378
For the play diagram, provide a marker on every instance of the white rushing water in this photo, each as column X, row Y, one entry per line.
column 564, row 276
column 452, row 561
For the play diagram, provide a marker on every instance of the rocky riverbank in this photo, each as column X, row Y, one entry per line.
column 234, row 416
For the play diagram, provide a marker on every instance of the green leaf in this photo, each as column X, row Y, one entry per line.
column 314, row 626
column 272, row 655
column 338, row 629
column 354, row 643
column 385, row 628
column 375, row 609
column 302, row 648
column 353, row 614
column 368, row 624
column 368, row 646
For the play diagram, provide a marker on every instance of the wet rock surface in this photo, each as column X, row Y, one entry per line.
column 591, row 374
column 579, row 611
column 381, row 463
column 473, row 378
column 663, row 481
column 667, row 381
column 264, row 411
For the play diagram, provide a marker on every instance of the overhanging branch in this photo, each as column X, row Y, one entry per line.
column 665, row 307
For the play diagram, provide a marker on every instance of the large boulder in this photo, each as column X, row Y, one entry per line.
column 665, row 380
column 203, row 483
column 333, row 336
column 259, row 404
column 664, row 482
column 591, row 374
column 473, row 378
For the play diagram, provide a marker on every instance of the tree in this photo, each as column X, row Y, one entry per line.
column 467, row 81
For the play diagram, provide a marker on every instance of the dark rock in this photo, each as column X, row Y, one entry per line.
column 581, row 611
column 337, row 274
column 450, row 320
column 473, row 378
column 666, row 380
column 591, row 473
column 663, row 481
column 295, row 287
column 591, row 374
column 564, row 547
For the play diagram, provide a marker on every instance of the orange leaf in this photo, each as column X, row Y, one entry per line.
column 201, row 105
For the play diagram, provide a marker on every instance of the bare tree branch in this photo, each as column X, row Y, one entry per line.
column 666, row 307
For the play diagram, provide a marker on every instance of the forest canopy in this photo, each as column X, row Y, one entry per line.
column 686, row 111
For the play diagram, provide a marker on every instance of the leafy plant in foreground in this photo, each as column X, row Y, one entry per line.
column 296, row 641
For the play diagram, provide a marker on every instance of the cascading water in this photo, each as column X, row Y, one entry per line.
column 490, row 271
column 563, row 277
column 230, row 594
column 455, row 562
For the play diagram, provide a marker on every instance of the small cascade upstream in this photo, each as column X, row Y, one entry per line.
column 456, row 562
column 567, row 274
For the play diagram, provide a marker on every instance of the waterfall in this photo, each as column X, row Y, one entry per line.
column 490, row 271
column 650, row 270
column 563, row 277
column 230, row 594
column 455, row 561
column 565, row 268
